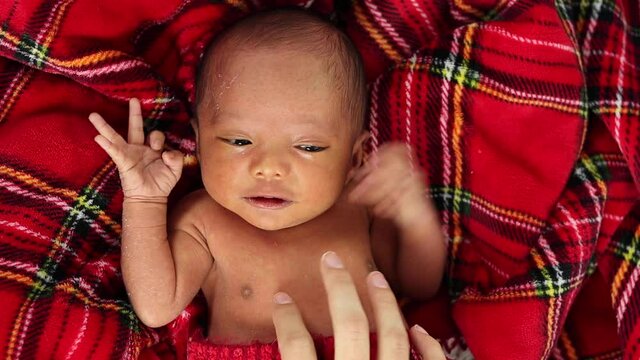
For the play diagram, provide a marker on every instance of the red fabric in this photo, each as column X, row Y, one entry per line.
column 523, row 114
column 200, row 349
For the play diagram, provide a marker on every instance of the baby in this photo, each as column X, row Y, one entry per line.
column 279, row 119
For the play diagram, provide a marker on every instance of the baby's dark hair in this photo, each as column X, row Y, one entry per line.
column 298, row 30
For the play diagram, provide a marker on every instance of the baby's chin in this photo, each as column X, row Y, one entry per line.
column 274, row 222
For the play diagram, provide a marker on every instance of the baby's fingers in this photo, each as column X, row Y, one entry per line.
column 174, row 160
column 105, row 130
column 136, row 130
column 109, row 140
column 115, row 153
column 156, row 140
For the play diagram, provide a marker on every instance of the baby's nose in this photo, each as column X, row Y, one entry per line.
column 270, row 166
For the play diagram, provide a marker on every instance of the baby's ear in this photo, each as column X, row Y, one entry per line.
column 194, row 126
column 358, row 153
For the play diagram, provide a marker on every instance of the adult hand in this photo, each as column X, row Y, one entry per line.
column 349, row 322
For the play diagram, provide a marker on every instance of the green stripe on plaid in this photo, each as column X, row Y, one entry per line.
column 84, row 210
column 448, row 194
column 462, row 71
column 626, row 247
column 31, row 52
column 552, row 281
column 128, row 316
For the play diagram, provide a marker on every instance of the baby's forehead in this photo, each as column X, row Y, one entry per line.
column 286, row 32
column 225, row 62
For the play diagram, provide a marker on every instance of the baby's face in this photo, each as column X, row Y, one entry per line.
column 274, row 146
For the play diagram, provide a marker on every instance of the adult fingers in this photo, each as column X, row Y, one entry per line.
column 348, row 319
column 136, row 130
column 393, row 341
column 427, row 346
column 294, row 341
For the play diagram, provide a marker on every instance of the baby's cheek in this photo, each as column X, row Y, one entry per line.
column 327, row 189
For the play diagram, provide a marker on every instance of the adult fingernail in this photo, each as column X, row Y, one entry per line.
column 282, row 298
column 378, row 280
column 332, row 260
column 420, row 329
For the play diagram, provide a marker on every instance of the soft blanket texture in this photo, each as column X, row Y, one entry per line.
column 524, row 114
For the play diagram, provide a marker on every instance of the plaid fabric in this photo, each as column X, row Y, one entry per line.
column 523, row 114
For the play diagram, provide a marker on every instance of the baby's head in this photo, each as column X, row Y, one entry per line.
column 280, row 107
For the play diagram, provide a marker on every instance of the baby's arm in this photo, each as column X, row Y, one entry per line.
column 161, row 275
column 162, row 270
column 406, row 236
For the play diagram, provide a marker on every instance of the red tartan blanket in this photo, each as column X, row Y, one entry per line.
column 524, row 114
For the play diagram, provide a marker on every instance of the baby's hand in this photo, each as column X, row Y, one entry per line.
column 392, row 186
column 146, row 172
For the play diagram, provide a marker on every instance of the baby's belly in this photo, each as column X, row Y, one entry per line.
column 241, row 307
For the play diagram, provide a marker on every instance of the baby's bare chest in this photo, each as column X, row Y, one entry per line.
column 250, row 268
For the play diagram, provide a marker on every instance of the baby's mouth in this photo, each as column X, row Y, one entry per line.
column 266, row 202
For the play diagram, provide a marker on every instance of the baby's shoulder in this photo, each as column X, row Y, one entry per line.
column 192, row 207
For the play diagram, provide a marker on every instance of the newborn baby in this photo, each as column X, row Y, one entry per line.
column 279, row 119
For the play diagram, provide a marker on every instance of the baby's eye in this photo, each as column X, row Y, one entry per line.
column 311, row 148
column 238, row 142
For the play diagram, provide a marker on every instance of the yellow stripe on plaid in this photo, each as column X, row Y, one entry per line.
column 70, row 194
column 57, row 242
column 458, row 120
column 72, row 290
column 624, row 110
column 570, row 350
column 595, row 172
column 8, row 275
column 67, row 288
column 238, row 4
column 537, row 259
column 498, row 295
column 88, row 60
column 373, row 32
column 631, row 249
column 51, row 33
column 553, row 306
column 12, row 38
column 159, row 103
column 95, row 182
column 460, row 4
column 520, row 101
column 513, row 215
column 499, row 94
column 115, row 227
column 516, row 215
column 15, row 91
column 16, row 329
column 30, row 180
